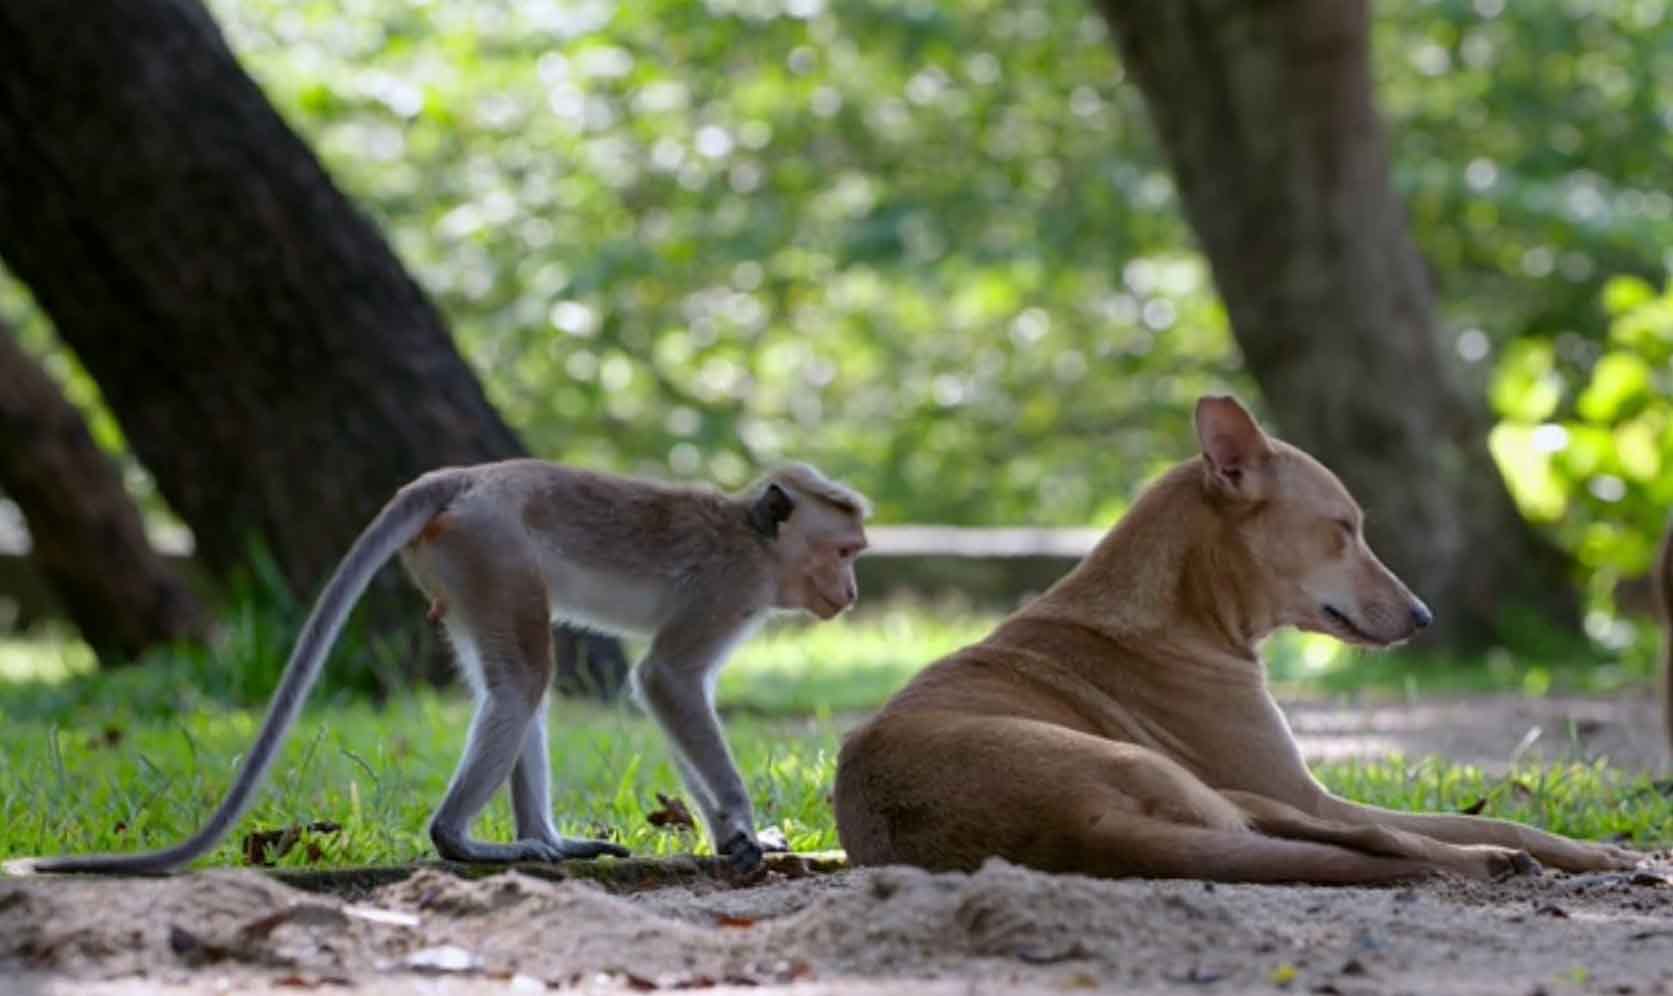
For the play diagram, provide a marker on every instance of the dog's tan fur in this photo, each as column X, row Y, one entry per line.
column 1121, row 725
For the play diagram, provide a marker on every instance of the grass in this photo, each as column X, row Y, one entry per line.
column 139, row 757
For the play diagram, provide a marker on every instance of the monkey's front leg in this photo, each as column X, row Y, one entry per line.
column 677, row 694
column 771, row 839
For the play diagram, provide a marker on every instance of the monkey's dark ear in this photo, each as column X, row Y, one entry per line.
column 773, row 507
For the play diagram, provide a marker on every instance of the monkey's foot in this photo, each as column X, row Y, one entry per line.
column 743, row 853
column 582, row 848
column 530, row 849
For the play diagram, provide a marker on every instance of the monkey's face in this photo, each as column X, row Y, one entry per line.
column 817, row 567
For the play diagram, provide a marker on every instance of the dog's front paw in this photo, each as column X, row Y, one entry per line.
column 1608, row 857
column 1508, row 862
column 772, row 841
column 1494, row 863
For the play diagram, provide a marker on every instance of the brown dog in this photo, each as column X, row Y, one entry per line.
column 1121, row 725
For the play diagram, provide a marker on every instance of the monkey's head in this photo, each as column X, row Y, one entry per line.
column 814, row 528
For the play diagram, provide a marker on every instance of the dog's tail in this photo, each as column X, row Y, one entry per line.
column 1662, row 579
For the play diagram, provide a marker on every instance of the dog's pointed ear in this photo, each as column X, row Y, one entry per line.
column 1232, row 444
column 772, row 508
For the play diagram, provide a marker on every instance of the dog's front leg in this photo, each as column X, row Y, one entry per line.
column 1547, row 848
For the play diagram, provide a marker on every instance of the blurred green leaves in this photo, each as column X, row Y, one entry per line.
column 1594, row 457
column 929, row 247
column 933, row 246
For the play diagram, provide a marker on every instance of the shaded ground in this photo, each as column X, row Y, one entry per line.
column 1490, row 731
column 1000, row 930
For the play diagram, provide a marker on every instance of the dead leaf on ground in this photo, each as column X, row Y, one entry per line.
column 263, row 847
column 673, row 813
column 1042, row 955
column 728, row 920
column 305, row 914
column 304, row 982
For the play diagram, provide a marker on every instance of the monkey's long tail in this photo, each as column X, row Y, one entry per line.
column 396, row 525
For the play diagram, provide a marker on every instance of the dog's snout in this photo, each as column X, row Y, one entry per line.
column 1421, row 616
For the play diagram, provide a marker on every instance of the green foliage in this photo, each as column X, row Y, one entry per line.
column 930, row 247
column 113, row 778
column 935, row 247
column 137, row 757
column 1589, row 801
column 1593, row 454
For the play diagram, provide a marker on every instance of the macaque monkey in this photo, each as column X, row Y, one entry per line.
column 504, row 549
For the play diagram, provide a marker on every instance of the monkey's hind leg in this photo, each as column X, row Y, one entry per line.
column 531, row 800
column 504, row 652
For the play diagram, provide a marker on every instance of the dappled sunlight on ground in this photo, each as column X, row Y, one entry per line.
column 1488, row 731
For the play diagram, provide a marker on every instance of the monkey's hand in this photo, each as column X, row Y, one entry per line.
column 746, row 853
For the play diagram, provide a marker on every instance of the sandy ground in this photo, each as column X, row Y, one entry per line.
column 1000, row 930
column 1489, row 731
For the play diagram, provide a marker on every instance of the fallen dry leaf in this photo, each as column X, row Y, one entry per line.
column 672, row 814
column 262, row 848
column 728, row 920
column 307, row 914
column 304, row 982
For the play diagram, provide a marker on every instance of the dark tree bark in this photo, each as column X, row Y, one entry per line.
column 271, row 363
column 1266, row 112
column 87, row 539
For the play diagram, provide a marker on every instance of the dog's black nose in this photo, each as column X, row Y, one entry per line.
column 1421, row 616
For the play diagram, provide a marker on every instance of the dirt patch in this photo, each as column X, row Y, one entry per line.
column 998, row 930
column 637, row 926
column 1490, row 731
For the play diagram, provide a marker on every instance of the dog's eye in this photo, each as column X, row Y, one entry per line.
column 1347, row 526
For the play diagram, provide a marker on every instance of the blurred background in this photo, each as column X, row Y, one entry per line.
column 977, row 258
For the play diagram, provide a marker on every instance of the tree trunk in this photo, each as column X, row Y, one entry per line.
column 269, row 360
column 87, row 538
column 1266, row 114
